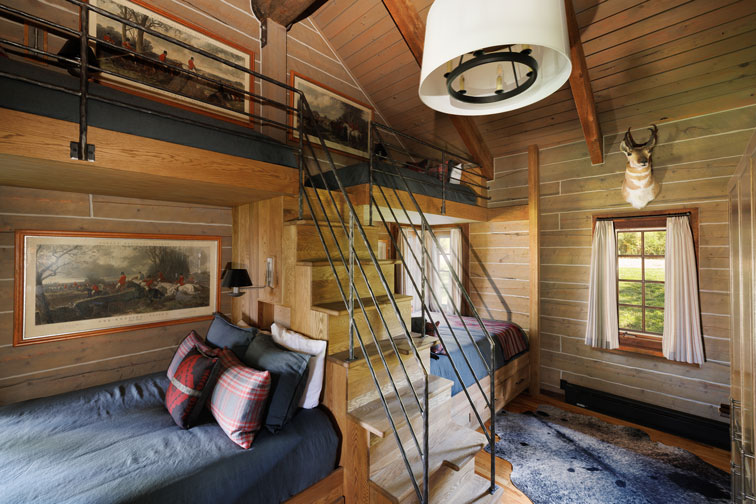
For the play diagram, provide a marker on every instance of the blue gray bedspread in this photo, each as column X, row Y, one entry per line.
column 384, row 176
column 117, row 443
column 510, row 342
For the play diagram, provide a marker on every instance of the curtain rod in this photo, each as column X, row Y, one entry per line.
column 681, row 214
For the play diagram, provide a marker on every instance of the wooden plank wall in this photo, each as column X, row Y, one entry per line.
column 51, row 368
column 499, row 268
column 693, row 161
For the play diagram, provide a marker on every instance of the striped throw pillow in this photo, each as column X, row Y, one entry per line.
column 190, row 387
column 192, row 340
column 239, row 398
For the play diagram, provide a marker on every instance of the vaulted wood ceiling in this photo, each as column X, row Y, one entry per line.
column 648, row 61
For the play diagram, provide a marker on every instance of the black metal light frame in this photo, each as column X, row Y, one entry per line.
column 479, row 58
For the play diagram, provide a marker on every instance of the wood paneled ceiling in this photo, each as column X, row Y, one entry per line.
column 648, row 61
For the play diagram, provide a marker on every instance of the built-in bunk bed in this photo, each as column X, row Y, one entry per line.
column 120, row 442
column 464, row 335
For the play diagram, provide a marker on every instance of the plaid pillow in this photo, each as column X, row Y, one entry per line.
column 192, row 340
column 190, row 387
column 239, row 398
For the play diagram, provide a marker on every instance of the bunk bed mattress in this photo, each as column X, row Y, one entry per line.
column 509, row 339
column 117, row 443
column 419, row 183
column 34, row 99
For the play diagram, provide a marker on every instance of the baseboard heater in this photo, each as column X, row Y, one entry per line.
column 693, row 427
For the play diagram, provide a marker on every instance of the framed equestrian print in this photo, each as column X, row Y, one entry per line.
column 343, row 122
column 74, row 284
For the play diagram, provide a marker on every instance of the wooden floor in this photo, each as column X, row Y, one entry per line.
column 524, row 402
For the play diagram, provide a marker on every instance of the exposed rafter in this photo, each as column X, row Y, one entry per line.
column 284, row 12
column 412, row 28
column 582, row 93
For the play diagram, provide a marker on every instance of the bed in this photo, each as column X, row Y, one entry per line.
column 511, row 363
column 234, row 139
column 116, row 443
column 385, row 175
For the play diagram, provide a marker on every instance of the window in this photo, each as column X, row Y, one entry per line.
column 444, row 258
column 640, row 281
column 444, row 300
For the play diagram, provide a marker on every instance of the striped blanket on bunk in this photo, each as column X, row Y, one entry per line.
column 508, row 335
column 509, row 339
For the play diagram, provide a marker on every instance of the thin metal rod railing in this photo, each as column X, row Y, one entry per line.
column 427, row 312
column 424, row 455
column 473, row 309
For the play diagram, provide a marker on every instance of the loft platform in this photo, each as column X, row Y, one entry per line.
column 142, row 147
column 409, row 173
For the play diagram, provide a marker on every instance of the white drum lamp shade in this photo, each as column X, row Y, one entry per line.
column 532, row 29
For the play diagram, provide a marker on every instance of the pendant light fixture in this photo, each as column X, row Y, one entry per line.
column 489, row 56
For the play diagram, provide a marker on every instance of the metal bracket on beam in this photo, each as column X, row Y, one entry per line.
column 263, row 32
column 75, row 154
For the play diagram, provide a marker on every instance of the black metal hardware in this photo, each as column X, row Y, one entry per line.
column 485, row 59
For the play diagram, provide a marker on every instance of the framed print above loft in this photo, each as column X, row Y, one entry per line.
column 164, row 70
column 75, row 284
column 343, row 121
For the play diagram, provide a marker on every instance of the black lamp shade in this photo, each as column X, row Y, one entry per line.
column 236, row 277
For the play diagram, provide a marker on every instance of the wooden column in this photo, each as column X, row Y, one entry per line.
column 240, row 251
column 535, row 270
column 273, row 64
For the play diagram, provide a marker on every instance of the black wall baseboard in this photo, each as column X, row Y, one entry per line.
column 674, row 422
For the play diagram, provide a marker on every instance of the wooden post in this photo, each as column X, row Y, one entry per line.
column 535, row 270
column 240, row 249
column 273, row 64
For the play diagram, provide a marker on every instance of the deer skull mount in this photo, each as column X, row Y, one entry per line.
column 639, row 187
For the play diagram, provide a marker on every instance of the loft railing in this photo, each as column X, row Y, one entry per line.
column 348, row 221
column 75, row 56
column 454, row 174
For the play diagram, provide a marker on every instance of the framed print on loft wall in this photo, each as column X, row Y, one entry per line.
column 343, row 121
column 158, row 62
column 75, row 284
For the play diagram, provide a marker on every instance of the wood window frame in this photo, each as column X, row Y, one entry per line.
column 642, row 343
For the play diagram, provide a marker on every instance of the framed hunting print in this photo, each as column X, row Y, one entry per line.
column 157, row 67
column 344, row 122
column 69, row 285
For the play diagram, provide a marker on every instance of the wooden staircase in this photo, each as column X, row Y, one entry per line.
column 375, row 471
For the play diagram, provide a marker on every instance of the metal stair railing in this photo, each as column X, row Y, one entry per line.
column 348, row 299
column 490, row 367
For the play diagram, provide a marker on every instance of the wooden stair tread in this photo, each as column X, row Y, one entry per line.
column 468, row 488
column 450, row 445
column 321, row 222
column 337, row 308
column 324, row 262
column 372, row 416
column 421, row 342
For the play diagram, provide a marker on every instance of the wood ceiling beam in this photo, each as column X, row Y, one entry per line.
column 582, row 93
column 412, row 28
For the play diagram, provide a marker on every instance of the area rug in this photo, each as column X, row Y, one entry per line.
column 567, row 458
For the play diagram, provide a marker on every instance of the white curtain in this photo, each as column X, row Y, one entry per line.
column 410, row 244
column 456, row 262
column 682, row 339
column 603, row 326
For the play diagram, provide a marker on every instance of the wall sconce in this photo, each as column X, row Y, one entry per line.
column 238, row 278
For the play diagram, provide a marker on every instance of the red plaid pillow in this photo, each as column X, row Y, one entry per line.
column 192, row 340
column 239, row 398
column 190, row 387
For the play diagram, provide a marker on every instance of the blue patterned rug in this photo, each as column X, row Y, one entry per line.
column 567, row 458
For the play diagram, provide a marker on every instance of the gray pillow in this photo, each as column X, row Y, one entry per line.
column 224, row 334
column 288, row 376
